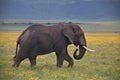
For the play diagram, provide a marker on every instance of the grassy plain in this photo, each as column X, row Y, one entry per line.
column 103, row 64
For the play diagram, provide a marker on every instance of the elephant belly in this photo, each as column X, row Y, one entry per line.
column 44, row 49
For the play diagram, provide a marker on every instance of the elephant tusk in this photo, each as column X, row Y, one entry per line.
column 88, row 49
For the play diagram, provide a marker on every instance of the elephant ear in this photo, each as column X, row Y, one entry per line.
column 69, row 33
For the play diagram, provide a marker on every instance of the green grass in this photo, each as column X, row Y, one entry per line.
column 104, row 64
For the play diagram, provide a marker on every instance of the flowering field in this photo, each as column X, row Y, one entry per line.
column 103, row 64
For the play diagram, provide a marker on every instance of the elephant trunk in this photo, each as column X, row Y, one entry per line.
column 82, row 51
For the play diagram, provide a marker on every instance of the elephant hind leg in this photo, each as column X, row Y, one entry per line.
column 17, row 61
column 32, row 61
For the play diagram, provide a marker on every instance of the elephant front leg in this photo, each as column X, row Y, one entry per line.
column 64, row 56
column 59, row 60
column 69, row 60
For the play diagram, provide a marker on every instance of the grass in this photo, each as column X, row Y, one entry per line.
column 103, row 64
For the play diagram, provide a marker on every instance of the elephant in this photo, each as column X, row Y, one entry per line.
column 43, row 39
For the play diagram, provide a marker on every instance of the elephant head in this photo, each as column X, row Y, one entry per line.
column 76, row 36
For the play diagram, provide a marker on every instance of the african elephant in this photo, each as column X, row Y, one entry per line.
column 40, row 39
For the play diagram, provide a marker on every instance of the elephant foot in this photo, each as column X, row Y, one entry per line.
column 70, row 66
column 71, row 63
column 14, row 65
column 33, row 65
column 59, row 66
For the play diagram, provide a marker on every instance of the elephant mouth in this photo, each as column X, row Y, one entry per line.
column 76, row 43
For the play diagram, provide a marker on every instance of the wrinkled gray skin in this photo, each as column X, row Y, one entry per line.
column 39, row 40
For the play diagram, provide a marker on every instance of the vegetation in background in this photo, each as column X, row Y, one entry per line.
column 20, row 25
